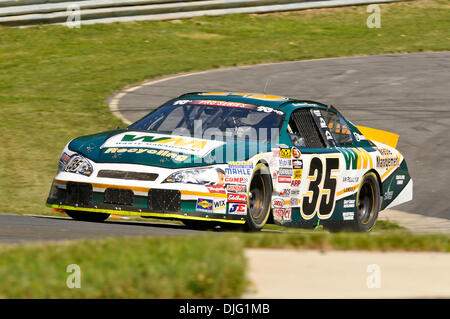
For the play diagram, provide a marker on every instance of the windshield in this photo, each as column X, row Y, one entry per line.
column 213, row 119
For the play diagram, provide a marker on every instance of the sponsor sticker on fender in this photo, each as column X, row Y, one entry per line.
column 237, row 198
column 283, row 214
column 235, row 180
column 236, row 188
column 278, row 202
column 205, row 205
column 285, row 153
column 237, row 209
column 284, row 179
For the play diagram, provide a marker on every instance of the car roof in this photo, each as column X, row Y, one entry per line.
column 283, row 103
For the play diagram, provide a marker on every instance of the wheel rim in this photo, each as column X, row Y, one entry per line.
column 366, row 203
column 257, row 196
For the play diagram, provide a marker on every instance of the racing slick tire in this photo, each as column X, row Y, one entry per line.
column 368, row 203
column 87, row 216
column 367, row 206
column 259, row 199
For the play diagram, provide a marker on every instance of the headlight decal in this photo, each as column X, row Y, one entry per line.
column 79, row 165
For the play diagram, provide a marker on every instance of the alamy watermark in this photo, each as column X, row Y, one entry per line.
column 74, row 279
column 374, row 19
column 74, row 16
column 374, row 279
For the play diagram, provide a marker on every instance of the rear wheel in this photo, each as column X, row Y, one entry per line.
column 259, row 198
column 367, row 203
column 366, row 209
column 87, row 216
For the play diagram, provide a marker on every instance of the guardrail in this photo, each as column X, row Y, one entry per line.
column 32, row 12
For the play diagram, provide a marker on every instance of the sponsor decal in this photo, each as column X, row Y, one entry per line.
column 322, row 122
column 350, row 189
column 285, row 172
column 224, row 104
column 166, row 154
column 236, row 188
column 356, row 158
column 295, row 183
column 278, row 202
column 237, row 209
column 235, row 180
column 285, row 192
column 220, row 206
column 297, row 174
column 219, row 189
column 350, row 179
column 296, row 152
column 284, row 179
column 387, row 158
column 179, row 144
column 283, row 214
column 295, row 201
column 295, row 191
column 275, row 152
column 348, row 215
column 297, row 163
column 267, row 109
column 388, row 195
column 349, row 203
column 285, row 153
column 204, row 205
column 284, row 162
column 239, row 168
column 400, row 179
column 237, row 198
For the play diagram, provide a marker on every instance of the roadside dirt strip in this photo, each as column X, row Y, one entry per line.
column 287, row 274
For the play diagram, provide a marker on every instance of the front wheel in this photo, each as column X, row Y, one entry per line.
column 259, row 197
column 87, row 216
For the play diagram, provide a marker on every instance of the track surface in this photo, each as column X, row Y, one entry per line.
column 26, row 228
column 408, row 94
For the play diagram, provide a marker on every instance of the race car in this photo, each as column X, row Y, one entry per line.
column 227, row 158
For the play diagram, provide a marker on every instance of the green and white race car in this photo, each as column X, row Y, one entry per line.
column 236, row 158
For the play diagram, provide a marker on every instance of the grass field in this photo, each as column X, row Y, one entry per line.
column 54, row 81
column 207, row 266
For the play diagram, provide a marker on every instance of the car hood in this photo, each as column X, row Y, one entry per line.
column 163, row 150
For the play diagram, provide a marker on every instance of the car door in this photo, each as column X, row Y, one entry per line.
column 314, row 132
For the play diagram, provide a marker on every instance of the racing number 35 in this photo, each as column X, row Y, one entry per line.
column 321, row 188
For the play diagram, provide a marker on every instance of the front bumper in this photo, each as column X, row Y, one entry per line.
column 160, row 201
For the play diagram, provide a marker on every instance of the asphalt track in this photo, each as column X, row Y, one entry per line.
column 408, row 94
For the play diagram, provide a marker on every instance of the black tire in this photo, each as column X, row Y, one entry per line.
column 367, row 205
column 87, row 216
column 259, row 199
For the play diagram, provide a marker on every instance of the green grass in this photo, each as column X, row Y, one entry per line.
column 188, row 267
column 207, row 266
column 54, row 81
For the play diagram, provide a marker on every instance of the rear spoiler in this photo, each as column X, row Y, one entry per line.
column 380, row 136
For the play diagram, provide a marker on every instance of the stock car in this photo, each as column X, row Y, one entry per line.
column 226, row 158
